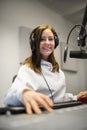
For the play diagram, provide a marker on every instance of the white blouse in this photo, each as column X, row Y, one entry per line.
column 49, row 83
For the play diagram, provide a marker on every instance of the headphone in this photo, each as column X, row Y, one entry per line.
column 56, row 39
column 33, row 39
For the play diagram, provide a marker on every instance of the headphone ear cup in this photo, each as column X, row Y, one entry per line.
column 56, row 41
column 32, row 44
column 32, row 41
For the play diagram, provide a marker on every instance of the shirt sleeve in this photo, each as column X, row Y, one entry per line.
column 14, row 95
column 70, row 97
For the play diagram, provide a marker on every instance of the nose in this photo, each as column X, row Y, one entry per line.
column 47, row 40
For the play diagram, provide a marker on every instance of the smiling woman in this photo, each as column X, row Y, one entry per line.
column 40, row 82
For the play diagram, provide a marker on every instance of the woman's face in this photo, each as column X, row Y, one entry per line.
column 47, row 44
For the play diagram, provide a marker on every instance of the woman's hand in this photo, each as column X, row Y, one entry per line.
column 33, row 100
column 82, row 96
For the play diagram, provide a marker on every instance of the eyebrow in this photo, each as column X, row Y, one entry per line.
column 47, row 36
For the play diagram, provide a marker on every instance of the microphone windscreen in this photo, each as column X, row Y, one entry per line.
column 78, row 54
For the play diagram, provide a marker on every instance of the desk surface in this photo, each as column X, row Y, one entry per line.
column 70, row 118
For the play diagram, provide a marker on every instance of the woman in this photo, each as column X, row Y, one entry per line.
column 40, row 81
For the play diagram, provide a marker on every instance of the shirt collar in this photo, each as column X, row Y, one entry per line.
column 47, row 65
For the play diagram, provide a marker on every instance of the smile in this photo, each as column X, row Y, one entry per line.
column 47, row 48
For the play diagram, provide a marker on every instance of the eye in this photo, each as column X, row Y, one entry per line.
column 43, row 39
column 51, row 39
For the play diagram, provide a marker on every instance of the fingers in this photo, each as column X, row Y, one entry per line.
column 33, row 101
column 33, row 107
column 28, row 108
column 47, row 100
column 46, row 103
column 42, row 101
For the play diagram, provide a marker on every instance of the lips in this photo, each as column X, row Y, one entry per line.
column 47, row 48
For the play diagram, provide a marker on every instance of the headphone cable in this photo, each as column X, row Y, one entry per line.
column 48, row 87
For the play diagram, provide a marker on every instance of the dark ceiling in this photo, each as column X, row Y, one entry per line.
column 73, row 10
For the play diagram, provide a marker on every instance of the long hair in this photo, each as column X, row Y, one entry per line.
column 34, row 61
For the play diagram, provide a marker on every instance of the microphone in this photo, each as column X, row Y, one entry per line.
column 78, row 54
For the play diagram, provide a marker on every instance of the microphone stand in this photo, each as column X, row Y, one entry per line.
column 81, row 40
